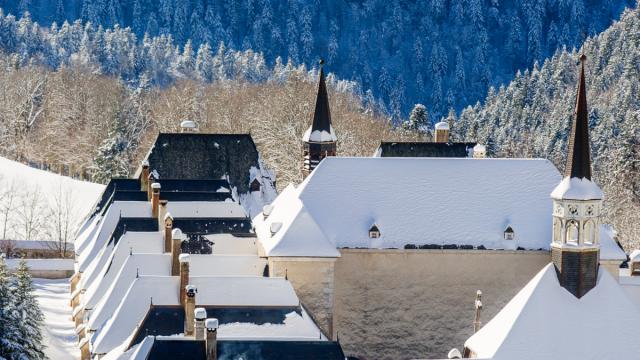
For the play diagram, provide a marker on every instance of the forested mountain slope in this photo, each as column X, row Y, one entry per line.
column 531, row 117
column 441, row 53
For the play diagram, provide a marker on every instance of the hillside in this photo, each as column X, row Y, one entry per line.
column 531, row 117
column 41, row 205
column 441, row 53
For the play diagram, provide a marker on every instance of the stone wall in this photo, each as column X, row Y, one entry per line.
column 312, row 279
column 405, row 304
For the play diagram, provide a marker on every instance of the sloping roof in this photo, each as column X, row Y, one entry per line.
column 545, row 321
column 579, row 157
column 163, row 290
column 424, row 149
column 415, row 201
column 199, row 156
column 299, row 234
column 609, row 247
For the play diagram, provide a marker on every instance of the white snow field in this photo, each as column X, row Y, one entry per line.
column 82, row 195
column 59, row 335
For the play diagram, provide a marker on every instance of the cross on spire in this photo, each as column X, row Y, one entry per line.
column 321, row 114
column 579, row 157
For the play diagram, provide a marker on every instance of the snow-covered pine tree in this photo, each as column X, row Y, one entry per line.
column 419, row 118
column 10, row 342
column 31, row 317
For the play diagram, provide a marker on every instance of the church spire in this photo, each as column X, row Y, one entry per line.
column 322, row 113
column 319, row 141
column 579, row 157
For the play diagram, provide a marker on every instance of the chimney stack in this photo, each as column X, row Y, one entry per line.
column 212, row 338
column 144, row 177
column 200, row 317
column 189, row 309
column 183, row 259
column 168, row 229
column 178, row 259
column 150, row 180
column 155, row 199
column 442, row 132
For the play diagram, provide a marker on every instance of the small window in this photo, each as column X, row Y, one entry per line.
column 374, row 232
column 509, row 234
column 254, row 186
column 572, row 235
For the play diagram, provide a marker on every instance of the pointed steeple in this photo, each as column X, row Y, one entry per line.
column 321, row 114
column 579, row 157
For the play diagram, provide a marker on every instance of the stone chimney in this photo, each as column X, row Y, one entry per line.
column 168, row 229
column 442, row 132
column 198, row 326
column 212, row 338
column 155, row 199
column 184, row 275
column 179, row 261
column 144, row 177
column 189, row 309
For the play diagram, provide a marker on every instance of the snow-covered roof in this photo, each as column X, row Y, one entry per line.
column 213, row 291
column 298, row 234
column 118, row 209
column 577, row 189
column 226, row 265
column 545, row 321
column 42, row 264
column 479, row 148
column 112, row 257
column 120, row 280
column 609, row 249
column 442, row 125
column 418, row 201
column 229, row 244
column 634, row 256
column 319, row 136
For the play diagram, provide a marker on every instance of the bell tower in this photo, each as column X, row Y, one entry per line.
column 577, row 202
column 319, row 141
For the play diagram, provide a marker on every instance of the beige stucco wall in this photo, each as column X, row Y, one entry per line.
column 404, row 304
column 312, row 279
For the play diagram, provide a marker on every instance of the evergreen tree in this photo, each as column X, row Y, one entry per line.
column 419, row 118
column 10, row 342
column 31, row 315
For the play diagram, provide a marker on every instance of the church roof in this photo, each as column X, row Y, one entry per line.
column 579, row 157
column 321, row 129
column 418, row 201
column 424, row 149
column 545, row 321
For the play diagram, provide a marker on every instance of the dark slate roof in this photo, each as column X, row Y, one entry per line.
column 210, row 185
column 169, row 320
column 170, row 349
column 579, row 157
column 115, row 185
column 425, row 149
column 204, row 226
column 322, row 114
column 197, row 156
column 247, row 350
column 132, row 224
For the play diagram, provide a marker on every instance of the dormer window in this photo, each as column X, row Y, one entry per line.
column 275, row 227
column 374, row 232
column 509, row 234
column 254, row 186
column 266, row 211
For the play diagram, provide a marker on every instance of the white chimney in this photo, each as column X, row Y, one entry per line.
column 188, row 126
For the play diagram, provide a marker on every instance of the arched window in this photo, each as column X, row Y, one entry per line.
column 572, row 232
column 557, row 231
column 589, row 233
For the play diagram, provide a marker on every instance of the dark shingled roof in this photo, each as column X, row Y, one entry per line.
column 203, row 226
column 579, row 157
column 169, row 320
column 132, row 224
column 114, row 185
column 322, row 114
column 247, row 350
column 198, row 156
column 425, row 149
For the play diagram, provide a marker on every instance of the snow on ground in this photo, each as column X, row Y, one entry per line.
column 58, row 330
column 81, row 194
